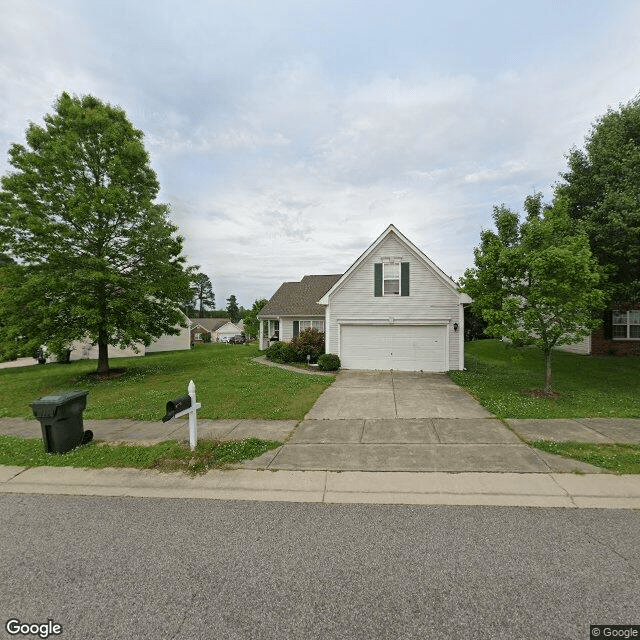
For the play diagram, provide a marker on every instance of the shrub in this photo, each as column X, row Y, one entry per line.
column 329, row 362
column 280, row 352
column 309, row 342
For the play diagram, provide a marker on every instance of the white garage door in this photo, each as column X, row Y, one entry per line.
column 399, row 347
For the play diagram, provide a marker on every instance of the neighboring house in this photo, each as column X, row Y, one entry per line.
column 227, row 331
column 392, row 309
column 86, row 350
column 221, row 329
column 618, row 336
column 202, row 326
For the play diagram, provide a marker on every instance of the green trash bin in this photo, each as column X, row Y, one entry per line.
column 60, row 417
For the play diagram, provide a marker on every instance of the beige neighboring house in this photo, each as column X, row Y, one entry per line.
column 227, row 331
column 221, row 329
column 202, row 326
column 86, row 350
column 392, row 309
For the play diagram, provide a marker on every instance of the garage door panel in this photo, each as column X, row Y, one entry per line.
column 399, row 347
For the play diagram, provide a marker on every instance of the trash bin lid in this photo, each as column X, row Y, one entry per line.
column 47, row 405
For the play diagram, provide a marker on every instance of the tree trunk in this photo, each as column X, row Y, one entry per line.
column 103, row 352
column 547, row 364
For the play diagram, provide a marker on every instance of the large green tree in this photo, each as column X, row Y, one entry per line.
column 204, row 296
column 232, row 308
column 602, row 189
column 97, row 256
column 536, row 282
column 250, row 318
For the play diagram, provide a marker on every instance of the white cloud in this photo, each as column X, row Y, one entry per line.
column 280, row 160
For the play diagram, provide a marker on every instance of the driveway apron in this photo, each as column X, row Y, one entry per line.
column 396, row 421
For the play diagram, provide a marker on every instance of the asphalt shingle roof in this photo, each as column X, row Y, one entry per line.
column 300, row 298
column 210, row 324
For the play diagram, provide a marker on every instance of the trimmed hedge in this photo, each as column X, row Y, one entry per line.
column 329, row 362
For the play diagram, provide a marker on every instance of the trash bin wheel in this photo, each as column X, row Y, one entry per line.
column 87, row 436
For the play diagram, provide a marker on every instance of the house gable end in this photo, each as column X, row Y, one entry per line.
column 380, row 248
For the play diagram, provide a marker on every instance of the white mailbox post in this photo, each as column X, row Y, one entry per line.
column 174, row 410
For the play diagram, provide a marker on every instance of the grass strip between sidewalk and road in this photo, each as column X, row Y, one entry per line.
column 621, row 458
column 164, row 456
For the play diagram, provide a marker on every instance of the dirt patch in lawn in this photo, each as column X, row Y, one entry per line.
column 543, row 393
column 112, row 373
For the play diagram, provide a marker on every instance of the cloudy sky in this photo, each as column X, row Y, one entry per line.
column 287, row 135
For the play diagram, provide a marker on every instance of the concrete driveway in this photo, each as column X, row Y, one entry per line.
column 375, row 394
column 390, row 421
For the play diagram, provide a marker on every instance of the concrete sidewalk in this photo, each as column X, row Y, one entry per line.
column 139, row 431
column 419, row 444
column 525, row 490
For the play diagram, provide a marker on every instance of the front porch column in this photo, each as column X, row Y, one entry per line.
column 261, row 336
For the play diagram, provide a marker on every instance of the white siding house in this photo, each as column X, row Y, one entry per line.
column 86, row 350
column 172, row 343
column 392, row 309
column 227, row 331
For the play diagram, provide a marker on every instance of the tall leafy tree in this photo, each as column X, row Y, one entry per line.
column 250, row 318
column 601, row 188
column 232, row 308
column 536, row 282
column 98, row 256
column 204, row 295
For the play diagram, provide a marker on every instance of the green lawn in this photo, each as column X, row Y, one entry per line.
column 165, row 456
column 621, row 458
column 497, row 373
column 228, row 385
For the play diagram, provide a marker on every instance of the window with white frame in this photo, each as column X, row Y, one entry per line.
column 312, row 324
column 274, row 329
column 197, row 336
column 391, row 278
column 626, row 325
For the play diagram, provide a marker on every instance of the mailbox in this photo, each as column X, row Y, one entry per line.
column 176, row 406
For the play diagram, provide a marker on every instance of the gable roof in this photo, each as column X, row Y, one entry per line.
column 391, row 229
column 232, row 326
column 300, row 298
column 210, row 324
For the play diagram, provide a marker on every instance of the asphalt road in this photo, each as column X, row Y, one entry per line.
column 155, row 568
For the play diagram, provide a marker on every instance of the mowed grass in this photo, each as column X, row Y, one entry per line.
column 165, row 456
column 228, row 385
column 497, row 373
column 621, row 458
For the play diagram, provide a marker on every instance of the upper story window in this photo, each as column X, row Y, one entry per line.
column 391, row 278
column 626, row 324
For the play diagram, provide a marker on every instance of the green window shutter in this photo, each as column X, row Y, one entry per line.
column 296, row 328
column 608, row 323
column 404, row 279
column 377, row 279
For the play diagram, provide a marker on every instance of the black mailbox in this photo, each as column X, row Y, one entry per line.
column 176, row 406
